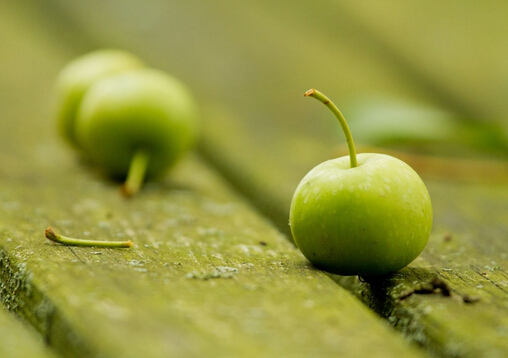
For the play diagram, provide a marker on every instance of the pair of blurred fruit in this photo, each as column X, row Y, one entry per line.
column 134, row 122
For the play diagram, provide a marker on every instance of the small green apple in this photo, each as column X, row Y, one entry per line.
column 136, row 124
column 363, row 215
column 75, row 79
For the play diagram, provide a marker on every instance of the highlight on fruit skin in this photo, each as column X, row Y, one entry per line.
column 50, row 234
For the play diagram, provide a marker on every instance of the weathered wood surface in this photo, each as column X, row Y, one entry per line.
column 249, row 66
column 274, row 136
column 468, row 253
column 19, row 341
column 208, row 276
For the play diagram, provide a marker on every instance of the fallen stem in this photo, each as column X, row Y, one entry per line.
column 50, row 234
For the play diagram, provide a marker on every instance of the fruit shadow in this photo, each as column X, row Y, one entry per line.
column 383, row 293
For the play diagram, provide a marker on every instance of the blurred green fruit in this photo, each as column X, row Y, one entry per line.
column 136, row 123
column 77, row 77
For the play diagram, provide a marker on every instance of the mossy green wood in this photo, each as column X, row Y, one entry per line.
column 473, row 263
column 17, row 340
column 267, row 158
column 468, row 252
column 208, row 276
column 273, row 146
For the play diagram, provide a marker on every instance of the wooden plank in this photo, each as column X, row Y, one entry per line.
column 208, row 275
column 20, row 341
column 272, row 141
column 456, row 49
column 468, row 253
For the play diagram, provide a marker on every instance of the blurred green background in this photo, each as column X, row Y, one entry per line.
column 427, row 81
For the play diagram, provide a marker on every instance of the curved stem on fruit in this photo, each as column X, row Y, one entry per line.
column 349, row 138
column 50, row 234
column 136, row 174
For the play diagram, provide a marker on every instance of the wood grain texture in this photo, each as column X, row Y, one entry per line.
column 249, row 66
column 275, row 137
column 468, row 254
column 208, row 276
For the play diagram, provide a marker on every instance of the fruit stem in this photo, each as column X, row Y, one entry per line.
column 50, row 234
column 136, row 174
column 349, row 138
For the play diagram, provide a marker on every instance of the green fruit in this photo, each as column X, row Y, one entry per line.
column 75, row 79
column 364, row 215
column 137, row 123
